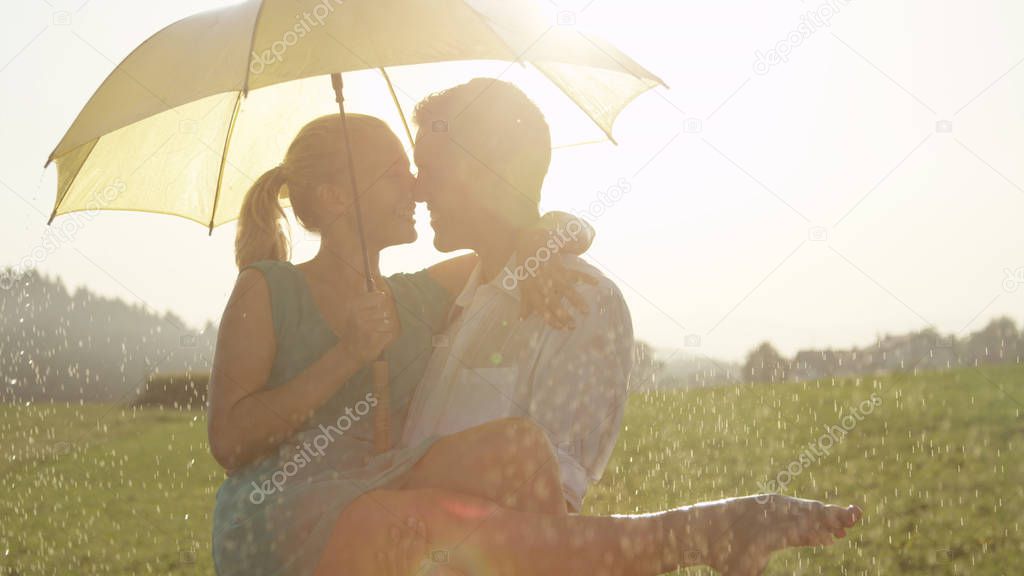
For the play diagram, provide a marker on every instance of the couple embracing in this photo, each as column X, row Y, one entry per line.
column 507, row 388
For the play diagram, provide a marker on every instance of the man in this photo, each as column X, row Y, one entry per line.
column 482, row 151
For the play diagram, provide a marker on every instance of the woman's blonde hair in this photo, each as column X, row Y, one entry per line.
column 316, row 156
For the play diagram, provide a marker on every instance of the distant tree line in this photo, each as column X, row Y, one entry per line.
column 997, row 343
column 70, row 347
column 80, row 347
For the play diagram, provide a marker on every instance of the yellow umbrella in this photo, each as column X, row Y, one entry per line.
column 180, row 125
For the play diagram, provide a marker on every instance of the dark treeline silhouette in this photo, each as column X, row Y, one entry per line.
column 679, row 369
column 59, row 346
column 998, row 343
column 63, row 347
column 178, row 390
column 70, row 347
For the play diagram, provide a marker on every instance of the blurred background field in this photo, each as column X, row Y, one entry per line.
column 937, row 467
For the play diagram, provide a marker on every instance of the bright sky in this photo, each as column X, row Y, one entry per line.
column 813, row 202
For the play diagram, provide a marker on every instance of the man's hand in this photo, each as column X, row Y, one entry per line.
column 371, row 326
column 545, row 284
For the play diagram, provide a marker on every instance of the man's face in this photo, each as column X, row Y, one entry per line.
column 441, row 182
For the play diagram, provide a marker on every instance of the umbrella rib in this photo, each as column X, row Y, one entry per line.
column 224, row 158
column 394, row 98
column 61, row 196
column 486, row 22
column 252, row 46
column 607, row 132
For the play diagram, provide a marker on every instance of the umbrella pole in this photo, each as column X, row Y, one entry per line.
column 379, row 371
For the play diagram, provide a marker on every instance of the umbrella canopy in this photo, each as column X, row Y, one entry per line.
column 177, row 128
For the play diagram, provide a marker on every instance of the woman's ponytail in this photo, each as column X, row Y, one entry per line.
column 311, row 161
column 262, row 232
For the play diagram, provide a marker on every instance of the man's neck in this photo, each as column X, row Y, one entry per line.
column 499, row 238
column 494, row 252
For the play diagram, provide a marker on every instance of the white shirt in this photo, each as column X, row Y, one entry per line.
column 489, row 364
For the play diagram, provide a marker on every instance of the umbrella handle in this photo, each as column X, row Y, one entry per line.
column 382, row 414
column 379, row 371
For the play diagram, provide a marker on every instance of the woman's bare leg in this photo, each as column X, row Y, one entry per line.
column 478, row 538
column 510, row 462
column 737, row 536
column 475, row 536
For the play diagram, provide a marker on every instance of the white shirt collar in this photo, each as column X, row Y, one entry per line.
column 505, row 281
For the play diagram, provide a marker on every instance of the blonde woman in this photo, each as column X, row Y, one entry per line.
column 291, row 413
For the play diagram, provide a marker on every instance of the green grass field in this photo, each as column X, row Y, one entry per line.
column 937, row 466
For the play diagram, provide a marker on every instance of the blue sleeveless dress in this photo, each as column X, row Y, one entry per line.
column 274, row 516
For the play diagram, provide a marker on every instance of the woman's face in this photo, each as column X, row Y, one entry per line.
column 386, row 200
column 389, row 206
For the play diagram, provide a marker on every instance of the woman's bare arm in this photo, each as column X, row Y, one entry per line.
column 247, row 420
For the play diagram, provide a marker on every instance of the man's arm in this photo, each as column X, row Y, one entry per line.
column 578, row 393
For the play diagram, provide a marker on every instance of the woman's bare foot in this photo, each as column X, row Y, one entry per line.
column 737, row 536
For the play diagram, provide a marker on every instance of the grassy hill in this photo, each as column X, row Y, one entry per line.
column 937, row 466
